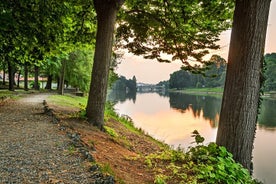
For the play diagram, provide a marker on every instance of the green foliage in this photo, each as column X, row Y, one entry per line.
column 160, row 179
column 270, row 72
column 35, row 32
column 200, row 164
column 78, row 68
column 124, row 84
column 105, row 168
column 181, row 29
column 213, row 76
column 111, row 131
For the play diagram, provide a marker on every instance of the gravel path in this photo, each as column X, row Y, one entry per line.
column 33, row 150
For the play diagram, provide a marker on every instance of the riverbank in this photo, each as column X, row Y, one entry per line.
column 217, row 92
column 127, row 153
column 132, row 156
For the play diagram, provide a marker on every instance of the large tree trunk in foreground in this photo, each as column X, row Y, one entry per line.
column 106, row 16
column 238, row 116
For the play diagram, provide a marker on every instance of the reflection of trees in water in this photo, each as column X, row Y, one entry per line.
column 121, row 96
column 208, row 105
column 267, row 117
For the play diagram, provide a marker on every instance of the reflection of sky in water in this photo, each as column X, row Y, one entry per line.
column 264, row 155
column 153, row 114
column 163, row 118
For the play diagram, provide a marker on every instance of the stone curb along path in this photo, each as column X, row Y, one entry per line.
column 34, row 149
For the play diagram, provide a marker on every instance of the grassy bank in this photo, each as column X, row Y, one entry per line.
column 134, row 157
column 218, row 90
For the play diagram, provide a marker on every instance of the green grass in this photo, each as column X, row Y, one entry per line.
column 68, row 100
column 6, row 93
column 14, row 94
column 201, row 90
column 214, row 90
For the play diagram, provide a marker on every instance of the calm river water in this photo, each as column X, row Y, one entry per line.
column 172, row 117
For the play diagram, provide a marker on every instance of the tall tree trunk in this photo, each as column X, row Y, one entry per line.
column 14, row 72
column 58, row 80
column 62, row 77
column 106, row 16
column 49, row 82
column 18, row 79
column 238, row 116
column 26, row 77
column 11, row 75
column 4, row 74
column 36, row 72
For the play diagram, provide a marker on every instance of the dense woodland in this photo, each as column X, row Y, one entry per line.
column 57, row 39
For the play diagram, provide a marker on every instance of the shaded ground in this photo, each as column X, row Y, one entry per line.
column 34, row 150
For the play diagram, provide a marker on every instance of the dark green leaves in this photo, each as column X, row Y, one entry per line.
column 184, row 30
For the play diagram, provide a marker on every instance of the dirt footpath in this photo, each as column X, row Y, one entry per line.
column 33, row 150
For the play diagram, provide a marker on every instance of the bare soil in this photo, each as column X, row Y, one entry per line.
column 124, row 155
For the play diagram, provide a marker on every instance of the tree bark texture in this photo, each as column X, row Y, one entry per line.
column 26, row 76
column 106, row 16
column 36, row 75
column 238, row 118
column 11, row 76
column 18, row 79
column 62, row 77
column 49, row 82
column 4, row 74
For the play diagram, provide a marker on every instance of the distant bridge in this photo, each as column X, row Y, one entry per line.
column 150, row 88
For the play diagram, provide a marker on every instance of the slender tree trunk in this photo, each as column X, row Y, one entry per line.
column 11, row 76
column 36, row 72
column 18, row 79
column 49, row 82
column 26, row 77
column 14, row 72
column 4, row 74
column 106, row 16
column 238, row 116
column 62, row 78
column 58, row 80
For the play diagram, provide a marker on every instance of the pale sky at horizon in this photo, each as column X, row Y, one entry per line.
column 151, row 71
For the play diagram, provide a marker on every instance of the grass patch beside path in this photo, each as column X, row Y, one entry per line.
column 15, row 94
column 68, row 100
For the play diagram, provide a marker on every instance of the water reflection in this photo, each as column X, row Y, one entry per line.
column 210, row 106
column 267, row 118
column 121, row 96
column 172, row 117
column 206, row 106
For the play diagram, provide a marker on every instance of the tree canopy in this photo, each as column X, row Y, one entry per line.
column 178, row 30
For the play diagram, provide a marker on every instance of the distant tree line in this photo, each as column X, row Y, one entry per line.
column 214, row 76
column 215, row 73
column 127, row 85
column 270, row 72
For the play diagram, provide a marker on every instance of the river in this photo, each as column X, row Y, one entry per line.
column 172, row 117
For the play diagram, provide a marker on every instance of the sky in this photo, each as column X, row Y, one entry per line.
column 152, row 72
